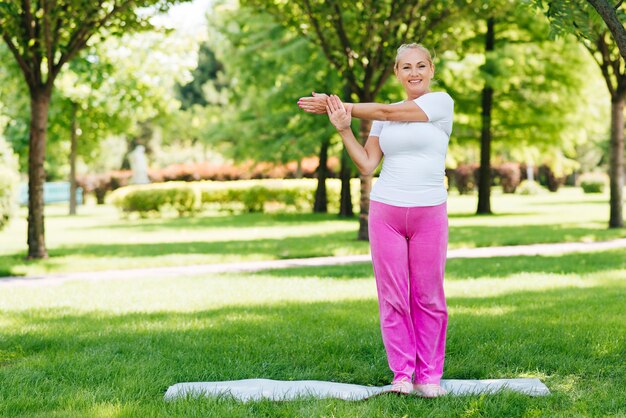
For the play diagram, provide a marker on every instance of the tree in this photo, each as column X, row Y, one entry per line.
column 266, row 64
column 207, row 70
column 43, row 37
column 608, row 13
column 359, row 39
column 582, row 20
column 522, row 75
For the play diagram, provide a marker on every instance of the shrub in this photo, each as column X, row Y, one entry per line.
column 246, row 195
column 593, row 182
column 465, row 178
column 9, row 180
column 548, row 178
column 529, row 188
column 509, row 175
column 153, row 199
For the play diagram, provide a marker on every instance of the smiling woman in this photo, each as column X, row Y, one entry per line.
column 408, row 221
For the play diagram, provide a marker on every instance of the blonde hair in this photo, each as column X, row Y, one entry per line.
column 421, row 47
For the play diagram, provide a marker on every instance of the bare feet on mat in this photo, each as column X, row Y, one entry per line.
column 430, row 390
column 402, row 387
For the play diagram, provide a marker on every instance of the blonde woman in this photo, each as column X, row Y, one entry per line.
column 408, row 222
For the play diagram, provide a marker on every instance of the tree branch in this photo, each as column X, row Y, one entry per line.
column 82, row 35
column 28, row 74
column 606, row 60
column 347, row 49
column 47, row 7
column 323, row 42
column 609, row 15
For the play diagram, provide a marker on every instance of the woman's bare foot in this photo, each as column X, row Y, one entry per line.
column 429, row 390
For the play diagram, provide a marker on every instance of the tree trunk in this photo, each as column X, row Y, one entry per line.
column 345, row 207
column 40, row 103
column 345, row 204
column 484, row 181
column 616, row 164
column 366, row 186
column 321, row 201
column 73, row 146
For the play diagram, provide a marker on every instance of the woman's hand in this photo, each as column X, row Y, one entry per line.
column 338, row 115
column 316, row 103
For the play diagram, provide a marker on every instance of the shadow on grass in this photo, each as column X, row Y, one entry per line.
column 492, row 215
column 323, row 243
column 573, row 338
column 225, row 220
column 470, row 268
column 496, row 235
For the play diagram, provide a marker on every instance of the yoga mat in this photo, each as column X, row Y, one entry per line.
column 257, row 389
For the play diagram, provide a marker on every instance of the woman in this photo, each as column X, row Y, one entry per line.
column 408, row 223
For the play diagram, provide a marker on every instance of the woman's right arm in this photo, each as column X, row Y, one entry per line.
column 365, row 157
column 403, row 112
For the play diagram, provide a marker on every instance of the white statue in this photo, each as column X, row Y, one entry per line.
column 139, row 165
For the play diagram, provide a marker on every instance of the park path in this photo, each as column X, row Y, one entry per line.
column 251, row 266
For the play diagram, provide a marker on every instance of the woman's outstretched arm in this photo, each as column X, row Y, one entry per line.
column 407, row 111
column 365, row 157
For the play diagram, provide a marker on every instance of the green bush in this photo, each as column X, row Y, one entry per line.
column 9, row 180
column 529, row 188
column 153, row 199
column 242, row 195
column 593, row 182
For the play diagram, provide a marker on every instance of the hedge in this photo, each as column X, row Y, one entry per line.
column 593, row 182
column 188, row 198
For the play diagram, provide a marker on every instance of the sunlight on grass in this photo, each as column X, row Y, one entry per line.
column 218, row 291
column 99, row 239
column 112, row 347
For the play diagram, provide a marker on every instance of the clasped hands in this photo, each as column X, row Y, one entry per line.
column 339, row 114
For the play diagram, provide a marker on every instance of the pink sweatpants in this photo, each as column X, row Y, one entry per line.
column 409, row 256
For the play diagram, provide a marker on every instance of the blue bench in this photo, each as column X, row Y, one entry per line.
column 53, row 192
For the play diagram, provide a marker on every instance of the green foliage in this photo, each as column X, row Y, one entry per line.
column 152, row 199
column 251, row 196
column 527, row 187
column 575, row 17
column 593, row 182
column 208, row 70
column 540, row 88
column 9, row 180
column 269, row 68
column 359, row 38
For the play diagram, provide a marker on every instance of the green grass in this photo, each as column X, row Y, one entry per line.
column 99, row 239
column 111, row 348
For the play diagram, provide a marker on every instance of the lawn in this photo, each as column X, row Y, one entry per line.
column 99, row 239
column 111, row 348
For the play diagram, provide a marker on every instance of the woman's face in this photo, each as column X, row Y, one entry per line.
column 414, row 72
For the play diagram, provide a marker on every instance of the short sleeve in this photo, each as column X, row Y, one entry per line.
column 437, row 106
column 377, row 128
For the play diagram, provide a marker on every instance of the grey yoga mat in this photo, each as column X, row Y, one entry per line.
column 256, row 389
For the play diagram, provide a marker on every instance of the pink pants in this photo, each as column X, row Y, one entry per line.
column 409, row 256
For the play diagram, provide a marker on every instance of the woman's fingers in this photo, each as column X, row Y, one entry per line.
column 338, row 104
column 330, row 103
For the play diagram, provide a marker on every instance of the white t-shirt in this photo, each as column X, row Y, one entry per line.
column 415, row 155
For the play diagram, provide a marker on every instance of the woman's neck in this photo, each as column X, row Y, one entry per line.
column 414, row 96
